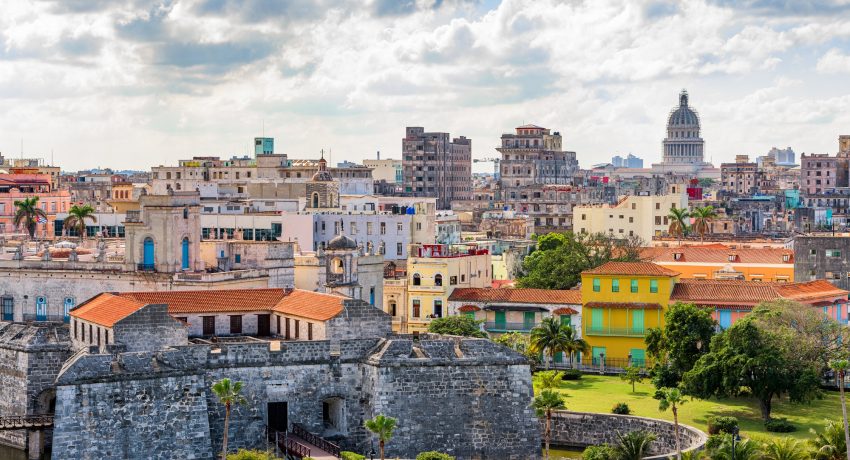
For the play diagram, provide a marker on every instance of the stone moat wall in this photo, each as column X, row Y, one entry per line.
column 580, row 429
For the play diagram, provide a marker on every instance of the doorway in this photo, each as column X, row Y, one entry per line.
column 278, row 416
column 264, row 325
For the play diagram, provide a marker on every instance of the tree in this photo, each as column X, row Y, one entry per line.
column 560, row 258
column 382, row 427
column 574, row 344
column 840, row 368
column 703, row 217
column 747, row 356
column 229, row 393
column 685, row 337
column 672, row 398
column 27, row 214
column 830, row 443
column 461, row 325
column 550, row 337
column 77, row 217
column 678, row 226
column 520, row 343
column 784, row 449
column 550, row 380
column 747, row 449
column 633, row 446
column 544, row 404
column 632, row 375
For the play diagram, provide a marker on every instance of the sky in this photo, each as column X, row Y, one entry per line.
column 135, row 84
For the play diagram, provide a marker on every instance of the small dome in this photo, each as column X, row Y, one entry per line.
column 341, row 242
column 322, row 176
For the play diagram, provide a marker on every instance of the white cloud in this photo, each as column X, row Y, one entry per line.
column 834, row 61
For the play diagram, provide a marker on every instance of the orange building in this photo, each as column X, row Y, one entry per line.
column 720, row 262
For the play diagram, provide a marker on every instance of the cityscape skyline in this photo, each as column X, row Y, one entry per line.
column 148, row 83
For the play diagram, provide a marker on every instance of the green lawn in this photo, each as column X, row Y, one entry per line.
column 596, row 393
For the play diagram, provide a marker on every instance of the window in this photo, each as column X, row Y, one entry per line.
column 615, row 285
column 653, row 286
column 309, row 331
column 369, row 228
column 398, row 249
column 597, row 285
column 452, row 280
column 399, row 228
column 833, row 253
column 297, row 328
column 238, row 258
column 438, row 280
column 208, row 325
column 634, row 287
column 236, row 324
column 8, row 304
column 438, row 309
column 416, row 307
column 417, row 279
column 67, row 305
column 383, row 228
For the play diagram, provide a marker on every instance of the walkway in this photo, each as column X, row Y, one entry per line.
column 315, row 452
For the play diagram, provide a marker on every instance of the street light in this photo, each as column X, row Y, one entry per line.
column 372, row 451
column 735, row 438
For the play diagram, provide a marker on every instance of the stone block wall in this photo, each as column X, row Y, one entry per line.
column 358, row 319
column 149, row 328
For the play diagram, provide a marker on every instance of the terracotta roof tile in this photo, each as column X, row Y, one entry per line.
column 719, row 255
column 105, row 309
column 751, row 293
column 312, row 305
column 211, row 301
column 630, row 268
column 544, row 296
column 468, row 308
column 564, row 311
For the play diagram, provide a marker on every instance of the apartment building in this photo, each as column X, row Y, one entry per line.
column 435, row 166
column 645, row 216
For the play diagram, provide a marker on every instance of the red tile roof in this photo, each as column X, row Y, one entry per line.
column 468, row 308
column 565, row 311
column 630, row 268
column 719, row 255
column 751, row 293
column 106, row 309
column 544, row 296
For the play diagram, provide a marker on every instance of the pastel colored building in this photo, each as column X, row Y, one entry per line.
column 719, row 261
column 643, row 216
column 17, row 187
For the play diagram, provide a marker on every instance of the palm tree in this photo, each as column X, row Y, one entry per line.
column 840, row 367
column 633, row 446
column 748, row 449
column 229, row 394
column 574, row 344
column 383, row 428
column 77, row 216
column 678, row 226
column 784, row 449
column 550, row 380
column 550, row 337
column 28, row 214
column 544, row 404
column 829, row 444
column 703, row 217
column 672, row 398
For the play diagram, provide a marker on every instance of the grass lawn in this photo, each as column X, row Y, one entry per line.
column 596, row 393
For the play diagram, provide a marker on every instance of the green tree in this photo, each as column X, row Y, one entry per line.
column 461, row 325
column 520, row 343
column 574, row 344
column 550, row 337
column 703, row 217
column 382, row 427
column 830, row 443
column 544, row 403
column 603, row 452
column 632, row 375
column 678, row 224
column 560, row 258
column 27, row 214
column 229, row 393
column 747, row 449
column 675, row 348
column 550, row 380
column 784, row 449
column 840, row 368
column 747, row 356
column 77, row 217
column 633, row 446
column 672, row 398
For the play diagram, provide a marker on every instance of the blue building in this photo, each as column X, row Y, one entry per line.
column 263, row 145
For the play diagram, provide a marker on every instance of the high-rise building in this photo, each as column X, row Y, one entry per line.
column 435, row 166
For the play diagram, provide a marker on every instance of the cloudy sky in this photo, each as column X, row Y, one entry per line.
column 131, row 84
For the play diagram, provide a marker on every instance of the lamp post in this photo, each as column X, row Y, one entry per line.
column 735, row 438
column 372, row 451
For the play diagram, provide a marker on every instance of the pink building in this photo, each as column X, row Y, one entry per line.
column 16, row 187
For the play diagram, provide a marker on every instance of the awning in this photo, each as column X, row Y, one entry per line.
column 468, row 308
column 513, row 308
column 565, row 311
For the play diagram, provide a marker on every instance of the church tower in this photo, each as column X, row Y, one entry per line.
column 322, row 190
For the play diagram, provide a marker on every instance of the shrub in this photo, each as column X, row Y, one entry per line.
column 245, row 454
column 603, row 452
column 718, row 425
column 346, row 455
column 621, row 408
column 571, row 374
column 779, row 425
column 714, row 441
column 434, row 455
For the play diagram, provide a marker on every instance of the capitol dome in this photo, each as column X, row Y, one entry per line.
column 341, row 242
column 683, row 116
column 683, row 144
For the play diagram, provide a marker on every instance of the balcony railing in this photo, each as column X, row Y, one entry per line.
column 27, row 317
column 133, row 216
column 616, row 331
column 147, row 267
column 500, row 326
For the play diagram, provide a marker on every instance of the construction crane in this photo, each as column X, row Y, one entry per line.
column 497, row 163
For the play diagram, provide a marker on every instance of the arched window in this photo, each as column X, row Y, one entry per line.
column 336, row 265
column 185, row 213
column 185, row 252
column 417, row 280
column 315, row 200
column 438, row 280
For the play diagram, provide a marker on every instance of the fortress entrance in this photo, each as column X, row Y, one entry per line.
column 333, row 416
column 278, row 416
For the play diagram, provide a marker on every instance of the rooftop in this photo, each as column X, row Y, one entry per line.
column 750, row 293
column 630, row 268
column 541, row 296
column 719, row 254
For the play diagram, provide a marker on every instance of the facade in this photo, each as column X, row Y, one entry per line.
column 630, row 161
column 643, row 216
column 388, row 170
column 822, row 257
column 17, row 187
column 448, row 228
column 740, row 177
column 434, row 166
column 820, row 172
column 725, row 263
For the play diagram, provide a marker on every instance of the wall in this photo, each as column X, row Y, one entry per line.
column 579, row 429
column 358, row 320
column 149, row 328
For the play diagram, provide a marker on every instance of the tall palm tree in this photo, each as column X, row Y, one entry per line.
column 672, row 398
column 550, row 380
column 784, row 449
column 229, row 393
column 829, row 444
column 840, row 367
column 383, row 428
column 574, row 344
column 544, row 404
column 28, row 213
column 703, row 217
column 678, row 226
column 634, row 445
column 77, row 217
column 550, row 337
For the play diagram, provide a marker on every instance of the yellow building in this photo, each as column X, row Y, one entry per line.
column 431, row 277
column 722, row 262
column 621, row 301
column 644, row 216
column 125, row 196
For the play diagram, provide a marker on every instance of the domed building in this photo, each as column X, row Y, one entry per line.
column 322, row 190
column 683, row 144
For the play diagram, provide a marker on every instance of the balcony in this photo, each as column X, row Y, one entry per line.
column 133, row 216
column 500, row 326
column 27, row 317
column 146, row 267
column 616, row 331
